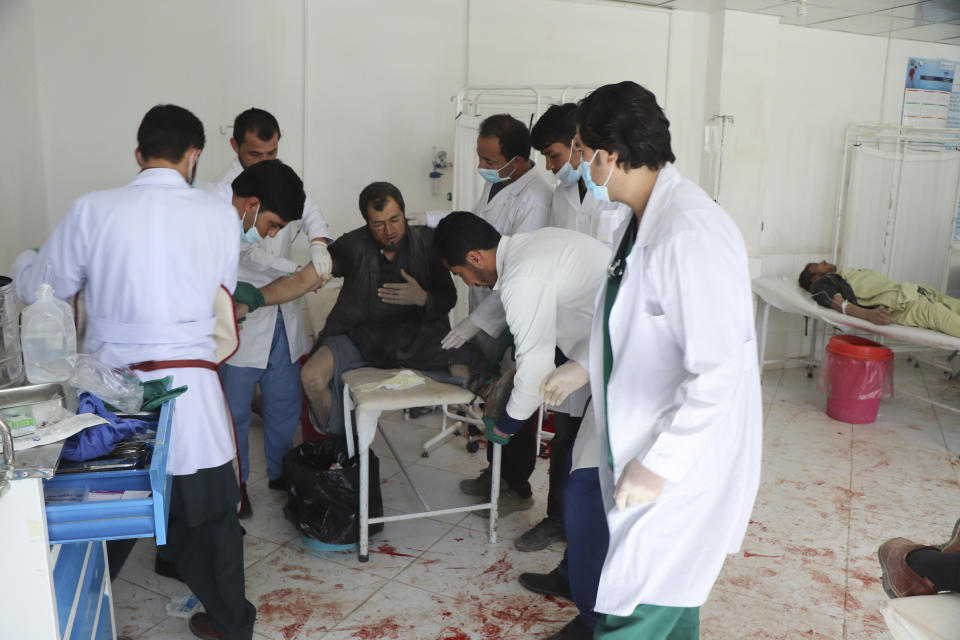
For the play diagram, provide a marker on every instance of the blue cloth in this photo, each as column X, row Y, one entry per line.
column 346, row 356
column 509, row 425
column 98, row 440
column 282, row 398
column 585, row 525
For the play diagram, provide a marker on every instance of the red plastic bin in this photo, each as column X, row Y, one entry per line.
column 856, row 374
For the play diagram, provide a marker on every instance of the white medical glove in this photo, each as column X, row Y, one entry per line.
column 417, row 219
column 563, row 381
column 459, row 335
column 637, row 485
column 320, row 257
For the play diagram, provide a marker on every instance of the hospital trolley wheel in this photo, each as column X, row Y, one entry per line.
column 365, row 558
column 425, row 454
column 473, row 446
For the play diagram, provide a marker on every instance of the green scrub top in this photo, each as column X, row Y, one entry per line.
column 614, row 276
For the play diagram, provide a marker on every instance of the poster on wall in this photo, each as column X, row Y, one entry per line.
column 927, row 92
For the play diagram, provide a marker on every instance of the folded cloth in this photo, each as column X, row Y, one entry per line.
column 405, row 379
column 98, row 440
column 155, row 393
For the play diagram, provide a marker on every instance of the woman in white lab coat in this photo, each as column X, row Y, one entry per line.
column 673, row 368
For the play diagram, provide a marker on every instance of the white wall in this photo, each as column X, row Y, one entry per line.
column 23, row 208
column 380, row 80
column 102, row 64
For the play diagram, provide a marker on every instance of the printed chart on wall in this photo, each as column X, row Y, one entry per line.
column 931, row 99
column 927, row 94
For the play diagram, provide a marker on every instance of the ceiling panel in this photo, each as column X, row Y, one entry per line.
column 869, row 24
column 859, row 6
column 932, row 11
column 930, row 32
column 789, row 15
column 927, row 20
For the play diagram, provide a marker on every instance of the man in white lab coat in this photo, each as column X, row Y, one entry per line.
column 273, row 338
column 575, row 209
column 673, row 368
column 151, row 257
column 514, row 200
column 547, row 281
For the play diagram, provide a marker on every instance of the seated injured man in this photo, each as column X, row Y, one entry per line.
column 866, row 294
column 392, row 311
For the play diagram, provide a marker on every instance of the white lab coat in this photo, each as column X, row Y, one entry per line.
column 150, row 257
column 592, row 217
column 600, row 220
column 261, row 264
column 547, row 281
column 521, row 206
column 683, row 399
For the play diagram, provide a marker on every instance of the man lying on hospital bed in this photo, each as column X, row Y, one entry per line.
column 866, row 294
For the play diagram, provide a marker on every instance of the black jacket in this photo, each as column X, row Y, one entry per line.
column 390, row 335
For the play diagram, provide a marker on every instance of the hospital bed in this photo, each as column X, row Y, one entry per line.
column 784, row 294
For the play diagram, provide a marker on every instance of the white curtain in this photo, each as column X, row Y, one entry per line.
column 901, row 205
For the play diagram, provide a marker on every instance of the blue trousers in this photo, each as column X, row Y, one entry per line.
column 585, row 525
column 282, row 397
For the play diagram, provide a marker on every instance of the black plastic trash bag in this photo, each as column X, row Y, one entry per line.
column 324, row 502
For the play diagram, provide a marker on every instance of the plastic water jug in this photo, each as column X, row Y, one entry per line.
column 48, row 337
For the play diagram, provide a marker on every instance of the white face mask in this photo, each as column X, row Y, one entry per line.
column 251, row 235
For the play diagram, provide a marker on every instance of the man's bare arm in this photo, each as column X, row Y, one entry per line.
column 287, row 288
column 876, row 316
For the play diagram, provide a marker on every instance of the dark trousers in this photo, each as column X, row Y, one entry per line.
column 205, row 543
column 565, row 427
column 943, row 569
column 518, row 458
column 585, row 525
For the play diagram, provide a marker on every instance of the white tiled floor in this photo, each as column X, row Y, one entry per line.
column 831, row 492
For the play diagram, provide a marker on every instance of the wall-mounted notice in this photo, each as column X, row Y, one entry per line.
column 927, row 92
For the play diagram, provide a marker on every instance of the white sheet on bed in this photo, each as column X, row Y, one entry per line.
column 785, row 294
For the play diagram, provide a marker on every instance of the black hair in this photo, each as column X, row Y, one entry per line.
column 460, row 232
column 375, row 195
column 806, row 276
column 167, row 132
column 278, row 187
column 557, row 124
column 513, row 135
column 261, row 123
column 626, row 118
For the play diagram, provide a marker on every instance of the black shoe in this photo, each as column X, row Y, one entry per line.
column 202, row 626
column 166, row 569
column 246, row 509
column 548, row 584
column 279, row 484
column 576, row 629
column 479, row 486
column 545, row 533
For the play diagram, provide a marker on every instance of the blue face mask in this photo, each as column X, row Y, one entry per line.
column 567, row 174
column 251, row 235
column 598, row 191
column 493, row 175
